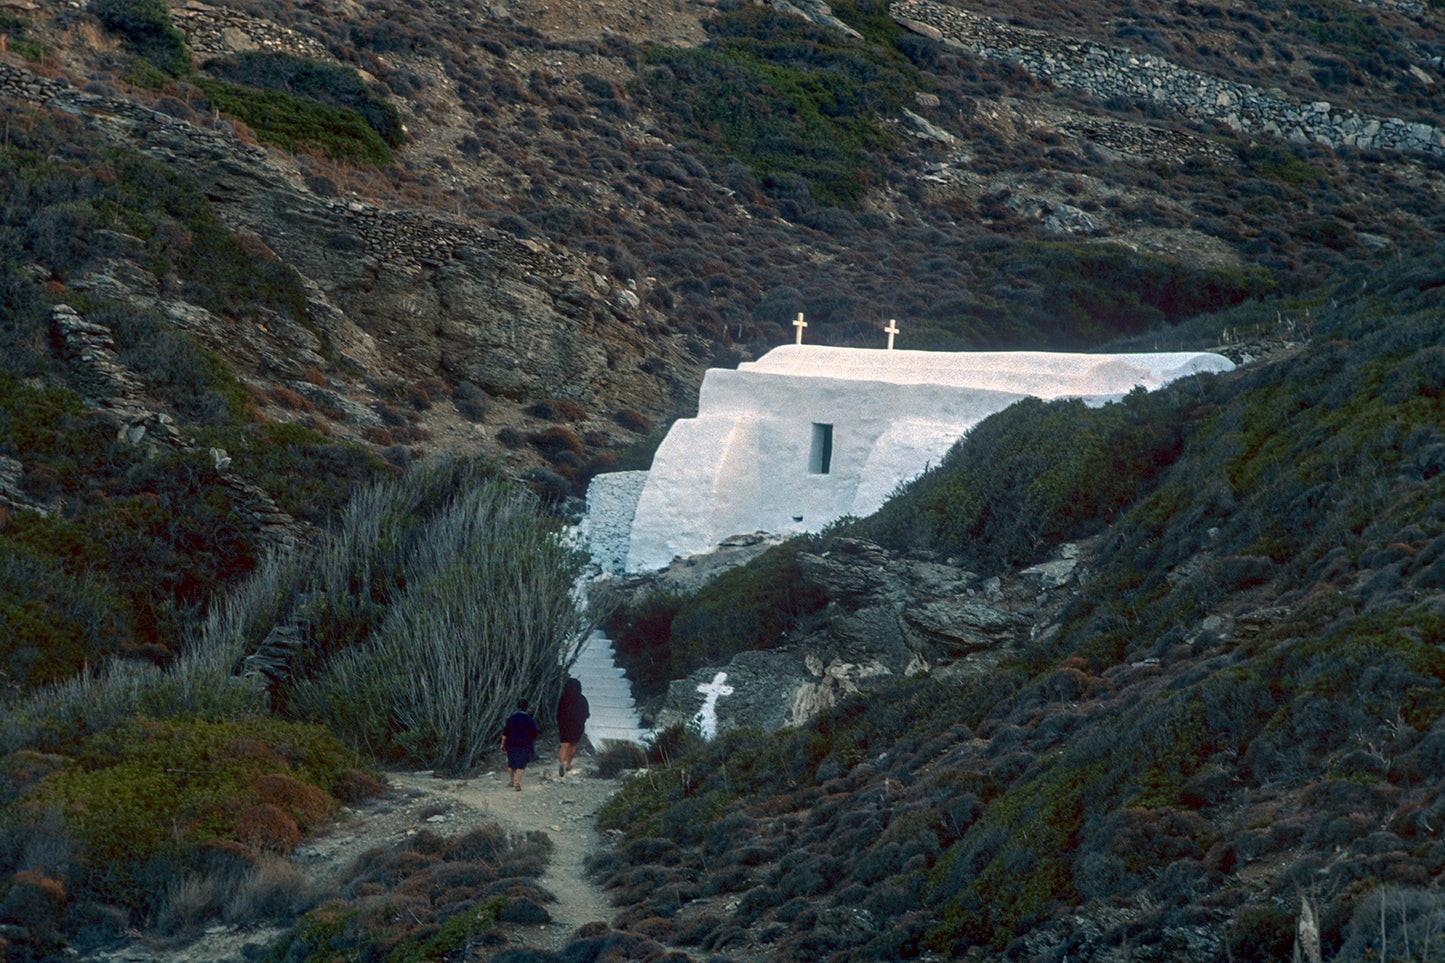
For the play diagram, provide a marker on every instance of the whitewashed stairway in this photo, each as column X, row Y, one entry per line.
column 609, row 695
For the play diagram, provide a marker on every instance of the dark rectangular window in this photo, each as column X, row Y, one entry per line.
column 820, row 458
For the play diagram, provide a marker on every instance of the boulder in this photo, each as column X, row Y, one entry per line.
column 961, row 626
column 754, row 690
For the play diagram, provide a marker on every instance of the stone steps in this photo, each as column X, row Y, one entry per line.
column 613, row 715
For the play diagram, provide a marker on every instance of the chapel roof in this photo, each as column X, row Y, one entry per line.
column 1044, row 374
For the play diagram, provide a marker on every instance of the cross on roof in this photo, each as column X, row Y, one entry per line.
column 892, row 329
column 800, row 324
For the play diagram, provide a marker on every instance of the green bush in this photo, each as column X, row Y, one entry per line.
column 331, row 85
column 750, row 607
column 297, row 123
column 638, row 455
column 368, row 934
column 1280, row 162
column 106, row 201
column 441, row 599
column 666, row 635
column 137, row 551
column 15, row 29
column 786, row 98
column 146, row 26
column 704, row 779
column 641, row 634
column 311, row 476
column 23, row 329
column 1029, row 477
column 1093, row 292
column 140, row 803
column 142, row 544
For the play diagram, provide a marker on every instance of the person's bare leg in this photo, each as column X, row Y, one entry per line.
column 571, row 754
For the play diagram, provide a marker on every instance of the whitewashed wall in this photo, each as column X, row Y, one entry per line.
column 607, row 529
column 743, row 464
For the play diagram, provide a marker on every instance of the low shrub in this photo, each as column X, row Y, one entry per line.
column 141, row 803
column 557, row 409
column 1264, row 933
column 751, row 607
column 331, row 85
column 16, row 29
column 147, row 28
column 139, row 549
column 420, row 933
column 1052, row 471
column 558, row 443
column 641, row 633
column 311, row 476
column 633, row 420
column 296, row 124
column 795, row 103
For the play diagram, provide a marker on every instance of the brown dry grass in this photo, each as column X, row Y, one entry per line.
column 267, row 828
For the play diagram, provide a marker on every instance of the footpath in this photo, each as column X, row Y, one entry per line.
column 564, row 809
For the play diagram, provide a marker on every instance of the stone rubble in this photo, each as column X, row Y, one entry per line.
column 108, row 385
column 1113, row 71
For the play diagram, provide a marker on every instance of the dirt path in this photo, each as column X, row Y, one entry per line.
column 564, row 809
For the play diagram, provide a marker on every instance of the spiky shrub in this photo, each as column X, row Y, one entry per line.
column 441, row 601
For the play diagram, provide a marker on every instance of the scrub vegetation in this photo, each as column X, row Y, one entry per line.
column 288, row 101
column 406, row 636
column 1127, row 756
column 183, row 706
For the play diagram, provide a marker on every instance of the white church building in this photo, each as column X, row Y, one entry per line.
column 808, row 434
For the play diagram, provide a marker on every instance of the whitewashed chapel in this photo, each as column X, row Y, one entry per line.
column 807, row 434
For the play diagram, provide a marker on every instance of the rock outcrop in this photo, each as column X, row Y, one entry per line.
column 887, row 616
column 1113, row 71
column 396, row 292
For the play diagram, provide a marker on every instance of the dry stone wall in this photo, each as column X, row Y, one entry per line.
column 1116, row 72
column 108, row 384
column 220, row 31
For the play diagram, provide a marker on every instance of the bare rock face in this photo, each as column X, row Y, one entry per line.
column 472, row 304
column 394, row 293
column 887, row 616
column 960, row 626
column 753, row 691
column 907, row 614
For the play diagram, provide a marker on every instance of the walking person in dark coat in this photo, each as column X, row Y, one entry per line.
column 572, row 712
column 517, row 737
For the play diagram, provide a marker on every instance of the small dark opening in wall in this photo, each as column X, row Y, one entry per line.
column 820, row 458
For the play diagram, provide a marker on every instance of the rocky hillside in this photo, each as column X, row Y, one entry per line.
column 569, row 214
column 1034, row 725
column 253, row 256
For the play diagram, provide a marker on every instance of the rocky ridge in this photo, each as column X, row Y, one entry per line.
column 888, row 616
column 1106, row 72
column 394, row 293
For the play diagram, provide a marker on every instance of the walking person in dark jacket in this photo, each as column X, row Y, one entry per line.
column 517, row 737
column 572, row 712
